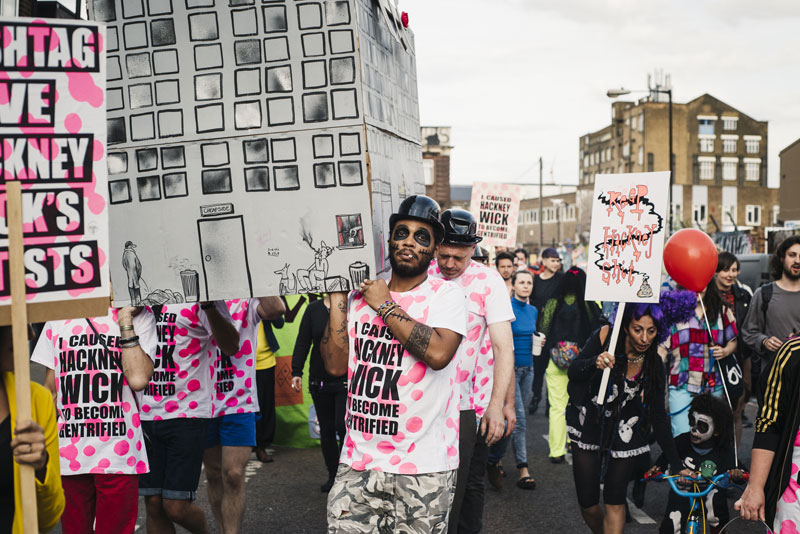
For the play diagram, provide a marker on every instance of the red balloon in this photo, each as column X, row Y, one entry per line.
column 690, row 258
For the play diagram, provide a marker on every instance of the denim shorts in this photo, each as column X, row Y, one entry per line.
column 174, row 457
column 233, row 430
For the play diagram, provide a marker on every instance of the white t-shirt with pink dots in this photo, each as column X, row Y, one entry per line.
column 402, row 416
column 235, row 389
column 98, row 427
column 184, row 364
column 487, row 303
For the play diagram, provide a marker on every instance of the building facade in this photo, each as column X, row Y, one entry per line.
column 790, row 182
column 720, row 162
column 559, row 217
column 436, row 150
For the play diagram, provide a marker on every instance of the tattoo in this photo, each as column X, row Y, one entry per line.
column 417, row 343
column 399, row 315
column 343, row 331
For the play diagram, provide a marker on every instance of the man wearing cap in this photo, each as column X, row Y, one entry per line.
column 545, row 285
column 485, row 367
column 396, row 343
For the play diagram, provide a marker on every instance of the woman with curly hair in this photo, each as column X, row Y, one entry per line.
column 608, row 440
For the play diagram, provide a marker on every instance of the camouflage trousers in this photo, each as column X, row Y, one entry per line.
column 362, row 502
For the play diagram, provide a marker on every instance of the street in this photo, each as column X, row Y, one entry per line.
column 284, row 496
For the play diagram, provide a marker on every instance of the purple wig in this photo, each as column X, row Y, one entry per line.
column 673, row 307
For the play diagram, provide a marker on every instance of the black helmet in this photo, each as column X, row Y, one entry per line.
column 460, row 227
column 419, row 208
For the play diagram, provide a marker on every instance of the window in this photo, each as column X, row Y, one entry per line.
column 699, row 214
column 729, row 145
column 705, row 126
column 751, row 144
column 776, row 211
column 633, row 122
column 729, row 169
column 641, row 155
column 427, row 169
column 649, row 162
column 626, row 150
column 753, row 215
column 707, row 144
column 729, row 123
column 752, row 171
column 706, row 169
column 641, row 122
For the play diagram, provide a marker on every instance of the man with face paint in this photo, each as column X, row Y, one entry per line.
column 396, row 342
column 710, row 439
column 485, row 366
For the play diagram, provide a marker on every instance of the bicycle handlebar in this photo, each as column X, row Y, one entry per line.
column 722, row 480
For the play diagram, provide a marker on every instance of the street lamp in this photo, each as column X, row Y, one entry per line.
column 616, row 93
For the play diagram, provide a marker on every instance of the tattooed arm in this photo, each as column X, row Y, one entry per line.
column 335, row 342
column 434, row 346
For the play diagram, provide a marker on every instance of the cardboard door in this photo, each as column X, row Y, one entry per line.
column 224, row 252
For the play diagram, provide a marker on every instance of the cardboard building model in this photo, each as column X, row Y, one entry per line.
column 255, row 147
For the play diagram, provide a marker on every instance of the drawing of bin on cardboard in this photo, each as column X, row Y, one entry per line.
column 223, row 249
column 350, row 231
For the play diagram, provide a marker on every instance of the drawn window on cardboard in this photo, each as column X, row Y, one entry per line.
column 350, row 231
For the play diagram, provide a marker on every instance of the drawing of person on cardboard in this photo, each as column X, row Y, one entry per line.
column 133, row 268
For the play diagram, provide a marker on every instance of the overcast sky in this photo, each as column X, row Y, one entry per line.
column 519, row 79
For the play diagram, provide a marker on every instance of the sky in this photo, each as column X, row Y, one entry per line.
column 522, row 79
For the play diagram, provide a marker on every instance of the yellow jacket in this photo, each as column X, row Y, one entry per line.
column 49, row 495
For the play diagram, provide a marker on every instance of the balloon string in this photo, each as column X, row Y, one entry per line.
column 722, row 376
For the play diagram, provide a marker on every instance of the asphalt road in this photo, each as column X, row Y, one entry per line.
column 284, row 496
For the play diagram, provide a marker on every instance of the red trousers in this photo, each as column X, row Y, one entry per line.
column 102, row 504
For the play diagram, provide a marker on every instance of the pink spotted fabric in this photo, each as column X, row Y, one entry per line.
column 487, row 303
column 99, row 430
column 787, row 516
column 184, row 365
column 402, row 416
column 235, row 390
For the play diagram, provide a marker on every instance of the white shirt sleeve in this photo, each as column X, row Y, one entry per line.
column 45, row 352
column 497, row 302
column 448, row 309
column 144, row 325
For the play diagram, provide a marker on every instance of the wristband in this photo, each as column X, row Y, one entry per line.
column 125, row 328
column 129, row 342
column 384, row 306
column 388, row 310
column 206, row 305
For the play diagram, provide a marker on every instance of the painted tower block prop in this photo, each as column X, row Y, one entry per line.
column 243, row 138
column 52, row 99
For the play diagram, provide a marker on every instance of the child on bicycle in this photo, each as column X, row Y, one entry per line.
column 710, row 439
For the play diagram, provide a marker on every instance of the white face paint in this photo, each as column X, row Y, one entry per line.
column 702, row 427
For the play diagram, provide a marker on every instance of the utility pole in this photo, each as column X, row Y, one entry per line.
column 8, row 8
column 541, row 223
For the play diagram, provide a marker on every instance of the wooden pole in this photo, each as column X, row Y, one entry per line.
column 19, row 328
column 601, row 393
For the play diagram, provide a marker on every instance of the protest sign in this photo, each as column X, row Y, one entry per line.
column 626, row 242
column 52, row 99
column 239, row 158
column 496, row 207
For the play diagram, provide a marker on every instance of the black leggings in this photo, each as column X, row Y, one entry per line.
column 330, row 401
column 586, row 473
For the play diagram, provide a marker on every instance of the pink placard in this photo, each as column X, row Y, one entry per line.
column 496, row 206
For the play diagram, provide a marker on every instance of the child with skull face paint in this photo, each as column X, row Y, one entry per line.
column 710, row 439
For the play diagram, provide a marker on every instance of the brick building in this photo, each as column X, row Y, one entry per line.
column 436, row 150
column 790, row 182
column 720, row 159
column 559, row 219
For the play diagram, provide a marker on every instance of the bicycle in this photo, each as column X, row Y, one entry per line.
column 696, row 520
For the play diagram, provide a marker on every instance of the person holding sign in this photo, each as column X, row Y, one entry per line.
column 396, row 343
column 232, row 431
column 692, row 352
column 614, row 434
column 34, row 443
column 176, row 406
column 100, row 365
